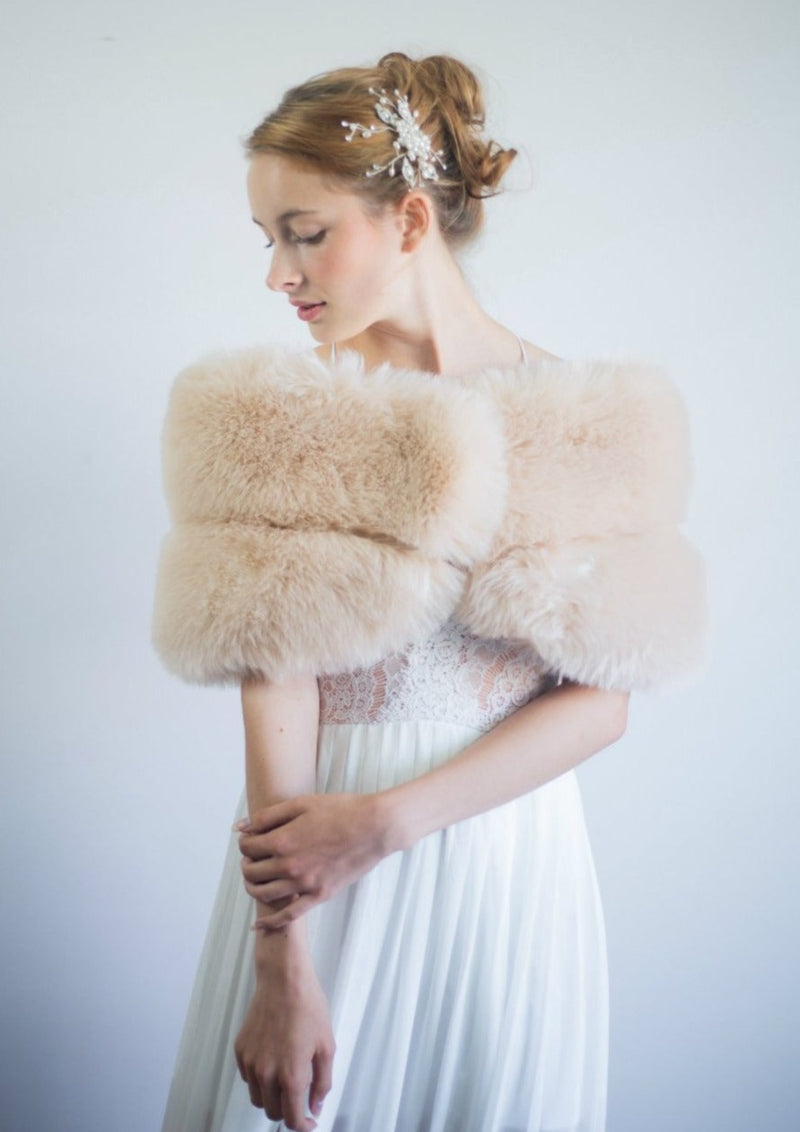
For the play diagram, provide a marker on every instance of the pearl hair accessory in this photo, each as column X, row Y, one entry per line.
column 413, row 148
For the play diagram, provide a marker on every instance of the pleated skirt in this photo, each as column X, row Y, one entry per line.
column 466, row 976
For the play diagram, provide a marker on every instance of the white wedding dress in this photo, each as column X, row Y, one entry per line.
column 466, row 977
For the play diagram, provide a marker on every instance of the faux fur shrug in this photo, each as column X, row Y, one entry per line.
column 324, row 517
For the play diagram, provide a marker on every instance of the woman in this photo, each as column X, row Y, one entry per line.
column 436, row 559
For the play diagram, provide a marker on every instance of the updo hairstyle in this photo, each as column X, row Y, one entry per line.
column 307, row 126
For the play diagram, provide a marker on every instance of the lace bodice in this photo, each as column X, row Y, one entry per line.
column 452, row 676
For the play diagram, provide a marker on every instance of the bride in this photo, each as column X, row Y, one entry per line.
column 436, row 559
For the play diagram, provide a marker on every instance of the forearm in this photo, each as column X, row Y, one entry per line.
column 281, row 722
column 312, row 846
column 539, row 742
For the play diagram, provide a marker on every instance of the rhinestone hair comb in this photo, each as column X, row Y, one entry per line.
column 413, row 148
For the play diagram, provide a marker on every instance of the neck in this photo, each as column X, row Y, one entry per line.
column 435, row 323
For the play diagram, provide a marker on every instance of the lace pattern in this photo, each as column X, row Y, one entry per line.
column 452, row 676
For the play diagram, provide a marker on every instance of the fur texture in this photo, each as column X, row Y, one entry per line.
column 324, row 517
column 588, row 564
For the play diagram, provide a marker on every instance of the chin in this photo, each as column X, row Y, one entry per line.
column 322, row 334
column 326, row 332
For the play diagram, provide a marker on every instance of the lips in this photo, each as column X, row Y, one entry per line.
column 307, row 311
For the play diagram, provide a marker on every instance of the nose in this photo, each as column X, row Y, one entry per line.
column 283, row 274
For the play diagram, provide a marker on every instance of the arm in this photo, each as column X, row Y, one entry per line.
column 313, row 845
column 285, row 1043
column 539, row 742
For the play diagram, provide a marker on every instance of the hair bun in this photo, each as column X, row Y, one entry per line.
column 447, row 99
column 454, row 94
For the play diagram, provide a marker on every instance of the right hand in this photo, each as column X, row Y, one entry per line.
column 302, row 850
column 285, row 1048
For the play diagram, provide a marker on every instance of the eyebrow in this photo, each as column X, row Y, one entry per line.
column 289, row 215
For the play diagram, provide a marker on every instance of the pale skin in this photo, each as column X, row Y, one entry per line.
column 394, row 292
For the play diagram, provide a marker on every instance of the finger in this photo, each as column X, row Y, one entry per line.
column 276, row 905
column 274, row 890
column 273, row 1105
column 268, row 817
column 321, row 1065
column 259, row 872
column 294, row 1109
column 254, row 1089
column 284, row 916
column 260, row 846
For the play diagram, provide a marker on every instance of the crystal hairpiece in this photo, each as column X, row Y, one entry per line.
column 413, row 148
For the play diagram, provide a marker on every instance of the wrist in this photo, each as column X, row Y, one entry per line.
column 283, row 952
column 398, row 831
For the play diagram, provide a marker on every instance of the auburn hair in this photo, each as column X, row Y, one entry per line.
column 445, row 94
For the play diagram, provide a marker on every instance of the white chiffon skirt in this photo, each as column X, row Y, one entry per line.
column 466, row 977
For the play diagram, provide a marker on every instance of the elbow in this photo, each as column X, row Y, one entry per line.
column 607, row 711
column 616, row 714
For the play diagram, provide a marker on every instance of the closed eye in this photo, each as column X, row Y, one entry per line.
column 315, row 239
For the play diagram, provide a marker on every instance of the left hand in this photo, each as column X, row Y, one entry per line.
column 307, row 848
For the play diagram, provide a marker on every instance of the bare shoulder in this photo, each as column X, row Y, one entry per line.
column 537, row 354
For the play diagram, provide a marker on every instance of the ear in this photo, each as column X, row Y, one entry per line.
column 416, row 216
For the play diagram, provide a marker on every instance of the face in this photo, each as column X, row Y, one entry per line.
column 338, row 265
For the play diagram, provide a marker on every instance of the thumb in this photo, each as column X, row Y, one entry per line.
column 321, row 1064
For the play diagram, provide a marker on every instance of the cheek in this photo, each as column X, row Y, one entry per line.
column 335, row 263
column 356, row 261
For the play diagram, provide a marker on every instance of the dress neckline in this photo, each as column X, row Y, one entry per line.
column 522, row 350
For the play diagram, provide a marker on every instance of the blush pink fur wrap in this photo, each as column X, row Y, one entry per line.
column 324, row 517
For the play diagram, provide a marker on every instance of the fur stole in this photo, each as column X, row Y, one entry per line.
column 324, row 517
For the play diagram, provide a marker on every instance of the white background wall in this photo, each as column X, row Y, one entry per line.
column 652, row 215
